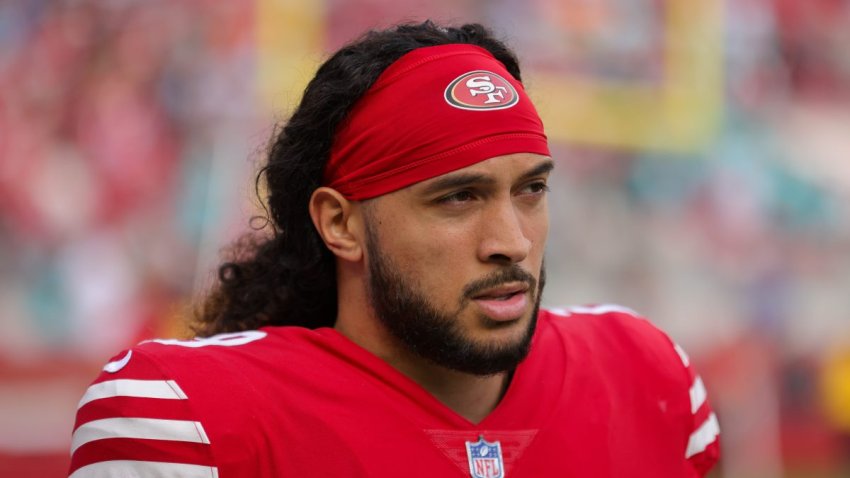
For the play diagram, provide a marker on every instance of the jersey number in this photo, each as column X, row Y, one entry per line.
column 224, row 340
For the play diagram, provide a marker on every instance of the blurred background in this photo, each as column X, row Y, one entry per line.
column 703, row 179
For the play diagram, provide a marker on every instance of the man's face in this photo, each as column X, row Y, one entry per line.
column 456, row 262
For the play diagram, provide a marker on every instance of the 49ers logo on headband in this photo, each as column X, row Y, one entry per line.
column 481, row 90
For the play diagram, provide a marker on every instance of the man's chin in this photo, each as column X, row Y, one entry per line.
column 490, row 358
column 502, row 330
column 500, row 347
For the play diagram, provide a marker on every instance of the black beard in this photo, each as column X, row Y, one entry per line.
column 436, row 336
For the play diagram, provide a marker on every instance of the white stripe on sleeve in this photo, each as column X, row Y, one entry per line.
column 602, row 309
column 148, row 428
column 705, row 435
column 698, row 394
column 167, row 389
column 117, row 365
column 682, row 355
column 144, row 469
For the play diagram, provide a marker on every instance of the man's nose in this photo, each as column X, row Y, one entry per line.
column 502, row 235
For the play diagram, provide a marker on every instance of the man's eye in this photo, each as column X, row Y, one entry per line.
column 536, row 188
column 460, row 196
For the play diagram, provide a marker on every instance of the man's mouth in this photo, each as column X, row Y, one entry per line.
column 505, row 302
column 502, row 292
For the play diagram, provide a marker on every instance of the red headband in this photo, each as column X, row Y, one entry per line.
column 435, row 110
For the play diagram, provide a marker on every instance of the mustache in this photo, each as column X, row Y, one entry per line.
column 513, row 273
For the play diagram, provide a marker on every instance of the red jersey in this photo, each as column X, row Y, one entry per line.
column 602, row 393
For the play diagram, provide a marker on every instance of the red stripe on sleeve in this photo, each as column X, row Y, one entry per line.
column 141, row 450
column 115, row 407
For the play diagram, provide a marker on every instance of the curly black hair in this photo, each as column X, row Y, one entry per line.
column 287, row 276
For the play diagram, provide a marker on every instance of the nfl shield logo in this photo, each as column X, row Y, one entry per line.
column 485, row 459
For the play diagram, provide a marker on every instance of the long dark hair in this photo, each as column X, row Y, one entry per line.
column 286, row 276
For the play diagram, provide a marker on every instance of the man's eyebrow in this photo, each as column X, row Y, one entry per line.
column 541, row 169
column 458, row 180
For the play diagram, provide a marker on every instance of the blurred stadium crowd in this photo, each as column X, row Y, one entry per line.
column 129, row 133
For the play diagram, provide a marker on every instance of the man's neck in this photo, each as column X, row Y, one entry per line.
column 470, row 396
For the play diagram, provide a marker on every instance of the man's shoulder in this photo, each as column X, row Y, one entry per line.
column 171, row 368
column 635, row 360
column 210, row 359
column 221, row 369
column 608, row 320
column 183, row 396
column 613, row 331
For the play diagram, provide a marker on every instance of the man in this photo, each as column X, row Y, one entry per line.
column 390, row 324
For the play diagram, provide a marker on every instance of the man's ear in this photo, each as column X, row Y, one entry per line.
column 339, row 223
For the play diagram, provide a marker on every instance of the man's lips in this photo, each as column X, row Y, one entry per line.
column 505, row 302
column 502, row 291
